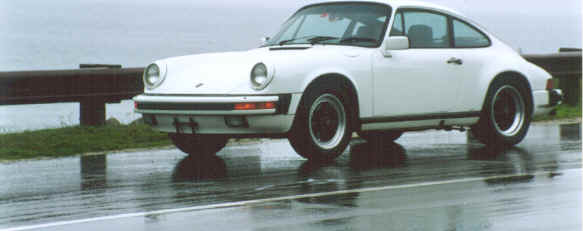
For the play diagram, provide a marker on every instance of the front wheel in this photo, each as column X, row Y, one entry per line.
column 506, row 116
column 198, row 145
column 322, row 128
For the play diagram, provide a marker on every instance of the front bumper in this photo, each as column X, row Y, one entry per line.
column 216, row 114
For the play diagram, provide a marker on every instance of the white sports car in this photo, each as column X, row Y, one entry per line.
column 378, row 68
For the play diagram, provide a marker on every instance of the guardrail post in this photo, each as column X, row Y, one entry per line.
column 572, row 89
column 92, row 112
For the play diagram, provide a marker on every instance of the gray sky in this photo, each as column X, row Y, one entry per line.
column 532, row 6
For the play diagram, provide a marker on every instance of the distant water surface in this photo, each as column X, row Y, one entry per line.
column 61, row 34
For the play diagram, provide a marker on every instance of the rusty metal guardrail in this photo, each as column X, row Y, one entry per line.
column 97, row 85
column 92, row 88
column 566, row 67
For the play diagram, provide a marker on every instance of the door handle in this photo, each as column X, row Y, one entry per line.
column 454, row 60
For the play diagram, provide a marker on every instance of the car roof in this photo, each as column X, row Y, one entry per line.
column 401, row 4
column 397, row 4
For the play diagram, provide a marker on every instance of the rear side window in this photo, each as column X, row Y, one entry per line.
column 466, row 36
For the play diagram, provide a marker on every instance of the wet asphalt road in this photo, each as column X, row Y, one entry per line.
column 426, row 181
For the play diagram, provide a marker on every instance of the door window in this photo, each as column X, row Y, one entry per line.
column 426, row 29
column 397, row 29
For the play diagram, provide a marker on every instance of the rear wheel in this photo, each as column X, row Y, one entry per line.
column 198, row 145
column 506, row 114
column 380, row 136
column 322, row 128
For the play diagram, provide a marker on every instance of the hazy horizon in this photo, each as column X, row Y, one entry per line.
column 61, row 34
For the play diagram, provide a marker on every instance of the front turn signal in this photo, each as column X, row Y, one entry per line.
column 254, row 106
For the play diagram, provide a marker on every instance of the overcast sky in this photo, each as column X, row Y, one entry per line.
column 515, row 21
column 534, row 6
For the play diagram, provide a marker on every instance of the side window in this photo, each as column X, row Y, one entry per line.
column 426, row 29
column 466, row 36
column 373, row 30
column 397, row 29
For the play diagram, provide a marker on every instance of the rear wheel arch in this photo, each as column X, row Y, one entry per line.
column 506, row 112
column 519, row 78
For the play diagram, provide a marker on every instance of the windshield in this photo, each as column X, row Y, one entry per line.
column 354, row 24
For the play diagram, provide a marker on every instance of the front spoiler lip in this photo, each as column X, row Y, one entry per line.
column 208, row 105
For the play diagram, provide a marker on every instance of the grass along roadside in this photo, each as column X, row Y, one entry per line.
column 69, row 141
column 564, row 111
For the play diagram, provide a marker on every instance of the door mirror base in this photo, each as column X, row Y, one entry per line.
column 264, row 40
column 393, row 43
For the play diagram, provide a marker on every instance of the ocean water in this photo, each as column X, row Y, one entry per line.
column 61, row 34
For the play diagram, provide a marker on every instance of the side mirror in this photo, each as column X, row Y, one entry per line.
column 264, row 40
column 395, row 43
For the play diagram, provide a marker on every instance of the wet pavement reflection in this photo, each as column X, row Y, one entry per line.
column 536, row 180
column 193, row 169
column 93, row 172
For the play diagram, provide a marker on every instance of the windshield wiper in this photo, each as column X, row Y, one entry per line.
column 285, row 41
column 358, row 39
column 294, row 39
column 318, row 39
column 313, row 39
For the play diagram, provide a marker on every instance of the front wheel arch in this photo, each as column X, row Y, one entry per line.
column 337, row 81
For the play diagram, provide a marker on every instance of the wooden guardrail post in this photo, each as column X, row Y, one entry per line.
column 572, row 90
column 571, row 85
column 92, row 112
column 92, row 109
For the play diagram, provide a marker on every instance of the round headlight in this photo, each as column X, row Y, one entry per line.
column 260, row 77
column 152, row 76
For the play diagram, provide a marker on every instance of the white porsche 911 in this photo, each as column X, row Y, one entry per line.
column 378, row 68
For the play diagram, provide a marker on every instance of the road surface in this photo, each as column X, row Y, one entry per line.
column 431, row 180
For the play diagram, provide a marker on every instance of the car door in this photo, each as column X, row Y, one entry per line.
column 423, row 79
column 473, row 47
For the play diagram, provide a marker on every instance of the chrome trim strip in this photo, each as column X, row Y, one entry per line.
column 431, row 116
column 205, row 99
column 208, row 113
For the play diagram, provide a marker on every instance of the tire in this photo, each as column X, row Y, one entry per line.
column 380, row 136
column 198, row 145
column 506, row 114
column 322, row 128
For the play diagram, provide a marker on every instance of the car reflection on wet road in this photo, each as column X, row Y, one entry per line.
column 426, row 181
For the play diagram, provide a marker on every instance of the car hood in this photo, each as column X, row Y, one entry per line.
column 205, row 73
column 229, row 72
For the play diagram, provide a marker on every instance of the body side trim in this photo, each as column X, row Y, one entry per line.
column 453, row 115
